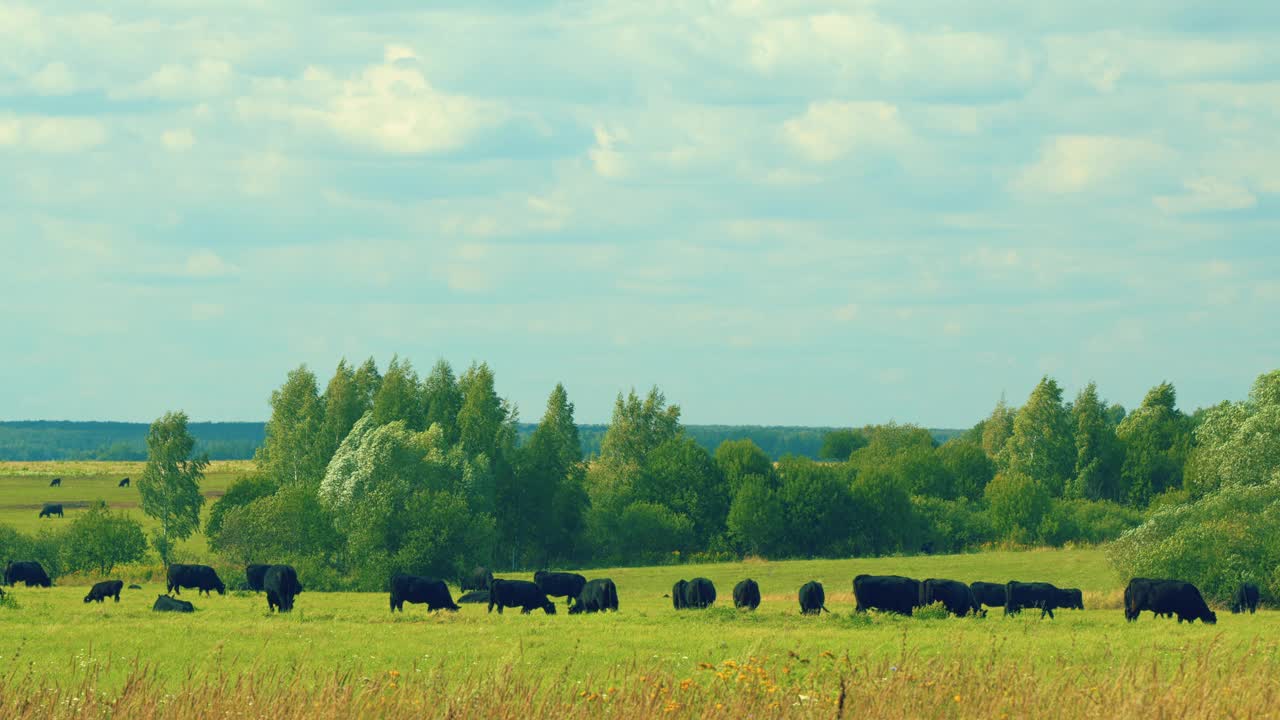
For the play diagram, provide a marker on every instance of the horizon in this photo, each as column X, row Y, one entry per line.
column 776, row 213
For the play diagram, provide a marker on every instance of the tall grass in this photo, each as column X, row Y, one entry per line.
column 1210, row 681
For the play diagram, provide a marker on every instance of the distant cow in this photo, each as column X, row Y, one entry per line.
column 519, row 593
column 475, row 596
column 201, row 577
column 56, row 482
column 479, row 579
column 696, row 594
column 1042, row 596
column 746, row 594
column 893, row 593
column 955, row 596
column 30, row 573
column 123, row 483
column 560, row 584
column 103, row 590
column 420, row 590
column 988, row 593
column 1246, row 599
column 1071, row 599
column 597, row 595
column 51, row 509
column 254, row 575
column 282, row 586
column 813, row 599
column 164, row 603
column 1166, row 596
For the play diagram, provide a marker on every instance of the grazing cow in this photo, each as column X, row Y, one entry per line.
column 103, row 590
column 420, row 590
column 1135, row 585
column 677, row 594
column 29, row 572
column 560, row 584
column 201, row 577
column 135, row 587
column 254, row 575
column 699, row 594
column 164, row 603
column 51, row 509
column 1039, row 595
column 955, row 596
column 746, row 594
column 597, row 595
column 987, row 593
column 282, row 586
column 1070, row 599
column 813, row 599
column 893, row 593
column 56, row 482
column 475, row 596
column 1246, row 599
column 1166, row 596
column 479, row 579
column 123, row 483
column 519, row 593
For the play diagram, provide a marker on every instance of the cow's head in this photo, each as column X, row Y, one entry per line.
column 1209, row 617
column 550, row 608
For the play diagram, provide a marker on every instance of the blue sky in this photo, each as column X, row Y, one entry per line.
column 778, row 212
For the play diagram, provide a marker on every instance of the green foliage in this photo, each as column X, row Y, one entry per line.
column 637, row 427
column 1018, row 505
column 169, row 489
column 100, row 539
column 652, row 533
column 543, row 507
column 969, row 467
column 397, row 398
column 442, row 400
column 682, row 476
column 997, row 429
column 242, row 492
column 1239, row 443
column 284, row 526
column 882, row 517
column 840, row 444
column 344, row 403
column 1090, row 521
column 296, row 447
column 1157, row 440
column 1230, row 536
column 757, row 520
column 738, row 459
column 1098, row 453
column 952, row 525
column 1041, row 445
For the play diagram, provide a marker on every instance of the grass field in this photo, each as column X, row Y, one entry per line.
column 345, row 654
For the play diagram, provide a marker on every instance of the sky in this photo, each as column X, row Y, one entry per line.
column 778, row 212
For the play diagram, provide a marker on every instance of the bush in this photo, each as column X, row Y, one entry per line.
column 1089, row 521
column 1018, row 506
column 951, row 525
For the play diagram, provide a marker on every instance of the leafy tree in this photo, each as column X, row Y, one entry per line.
column 681, row 475
column 397, row 398
column 537, row 515
column 818, row 506
column 637, row 427
column 294, row 451
column 100, row 539
column 1157, row 441
column 344, row 403
column 738, row 459
column 169, row 488
column 288, row 525
column 921, row 471
column 483, row 414
column 368, row 382
column 1239, row 443
column 1041, row 446
column 447, row 538
column 969, row 467
column 997, row 429
column 840, row 444
column 1098, row 454
column 1018, row 505
column 240, row 493
column 442, row 400
column 757, row 522
column 883, row 518
column 650, row 533
column 952, row 525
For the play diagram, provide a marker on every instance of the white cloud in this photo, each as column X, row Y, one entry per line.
column 207, row 311
column 177, row 140
column 52, row 134
column 605, row 158
column 1081, row 163
column 54, row 79
column 204, row 79
column 1207, row 194
column 828, row 131
column 206, row 263
column 261, row 173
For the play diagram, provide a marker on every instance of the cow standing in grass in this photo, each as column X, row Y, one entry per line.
column 519, row 593
column 123, row 483
column 597, row 595
column 746, row 594
column 282, row 586
column 26, row 571
column 1166, row 596
column 254, row 575
column 420, row 590
column 56, row 482
column 51, row 509
column 892, row 593
column 201, row 577
column 1246, row 599
column 560, row 584
column 813, row 599
column 103, row 590
column 955, row 596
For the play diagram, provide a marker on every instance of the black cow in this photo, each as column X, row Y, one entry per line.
column 519, row 593
column 699, row 593
column 677, row 594
column 282, row 586
column 51, row 509
column 1070, row 599
column 123, row 483
column 560, row 584
column 893, row 593
column 29, row 572
column 103, row 590
column 1166, row 596
column 813, row 599
column 478, row 580
column 475, row 596
column 419, row 590
column 1039, row 595
column 254, row 575
column 201, row 577
column 56, row 482
column 1246, row 599
column 164, row 603
column 987, row 593
column 1136, row 584
column 746, row 594
column 955, row 596
column 597, row 596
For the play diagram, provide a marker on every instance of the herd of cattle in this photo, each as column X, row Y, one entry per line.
column 888, row 593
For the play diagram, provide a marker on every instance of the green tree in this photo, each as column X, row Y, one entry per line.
column 651, row 533
column 638, row 426
column 1018, row 505
column 839, row 444
column 442, row 400
column 757, row 521
column 1041, row 446
column 368, row 382
column 883, row 518
column 997, row 429
column 344, row 403
column 1098, row 454
column 169, row 488
column 969, row 466
column 681, row 475
column 285, row 526
column 100, row 539
column 294, row 451
column 1157, row 441
column 398, row 397
column 241, row 492
column 1239, row 443
column 818, row 507
column 538, row 515
column 738, row 459
column 483, row 417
